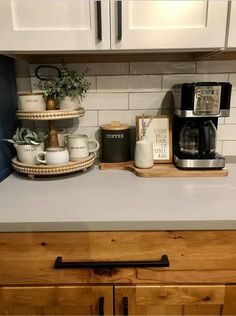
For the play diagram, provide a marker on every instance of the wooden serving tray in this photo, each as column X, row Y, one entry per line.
column 162, row 170
column 51, row 170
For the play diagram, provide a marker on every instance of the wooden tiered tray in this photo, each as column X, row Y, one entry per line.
column 162, row 170
column 49, row 115
column 51, row 170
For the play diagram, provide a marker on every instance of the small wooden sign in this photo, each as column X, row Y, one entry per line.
column 159, row 131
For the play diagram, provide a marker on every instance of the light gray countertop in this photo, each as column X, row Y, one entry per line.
column 117, row 200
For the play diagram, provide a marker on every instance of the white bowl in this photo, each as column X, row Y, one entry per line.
column 31, row 102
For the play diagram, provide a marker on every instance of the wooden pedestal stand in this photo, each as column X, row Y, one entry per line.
column 52, row 116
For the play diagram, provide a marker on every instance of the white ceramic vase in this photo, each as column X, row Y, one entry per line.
column 27, row 153
column 143, row 156
column 70, row 104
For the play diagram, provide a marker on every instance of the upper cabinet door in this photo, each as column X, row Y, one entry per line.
column 54, row 25
column 232, row 26
column 155, row 24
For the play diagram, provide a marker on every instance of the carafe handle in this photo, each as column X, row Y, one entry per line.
column 205, row 140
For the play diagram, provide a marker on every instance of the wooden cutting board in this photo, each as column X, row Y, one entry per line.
column 162, row 170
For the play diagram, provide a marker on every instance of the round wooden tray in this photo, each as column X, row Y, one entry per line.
column 51, row 170
column 49, row 115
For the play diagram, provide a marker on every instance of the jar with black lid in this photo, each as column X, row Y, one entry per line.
column 115, row 142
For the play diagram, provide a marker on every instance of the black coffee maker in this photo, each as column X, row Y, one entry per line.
column 197, row 108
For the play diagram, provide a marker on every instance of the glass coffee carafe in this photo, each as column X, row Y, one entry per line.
column 198, row 138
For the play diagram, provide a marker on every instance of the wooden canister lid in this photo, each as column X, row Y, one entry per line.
column 115, row 126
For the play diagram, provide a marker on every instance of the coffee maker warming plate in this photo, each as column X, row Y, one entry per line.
column 218, row 162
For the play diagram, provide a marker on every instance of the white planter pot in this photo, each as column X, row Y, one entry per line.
column 27, row 153
column 31, row 102
column 69, row 103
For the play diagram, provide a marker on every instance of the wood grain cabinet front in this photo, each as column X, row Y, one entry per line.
column 174, row 300
column 200, row 278
column 56, row 300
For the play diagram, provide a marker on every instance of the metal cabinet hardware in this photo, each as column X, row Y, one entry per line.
column 99, row 20
column 163, row 262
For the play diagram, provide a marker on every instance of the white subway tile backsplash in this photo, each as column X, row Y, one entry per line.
column 91, row 79
column 160, row 100
column 232, row 118
column 105, row 117
column 169, row 80
column 221, row 120
column 122, row 91
column 94, row 69
column 162, row 67
column 125, row 117
column 232, row 79
column 23, row 84
column 229, row 148
column 90, row 119
column 219, row 146
column 226, row 132
column 91, row 132
column 105, row 101
column 233, row 99
column 216, row 66
column 129, row 83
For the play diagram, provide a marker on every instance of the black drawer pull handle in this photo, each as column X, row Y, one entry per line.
column 101, row 306
column 119, row 18
column 164, row 262
column 125, row 306
column 99, row 20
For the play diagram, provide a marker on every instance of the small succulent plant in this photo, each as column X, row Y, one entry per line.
column 24, row 136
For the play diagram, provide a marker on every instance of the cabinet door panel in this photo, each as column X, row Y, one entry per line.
column 169, row 24
column 232, row 26
column 170, row 300
column 230, row 300
column 52, row 25
column 57, row 300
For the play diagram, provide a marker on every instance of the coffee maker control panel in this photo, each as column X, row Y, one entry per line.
column 202, row 99
column 207, row 100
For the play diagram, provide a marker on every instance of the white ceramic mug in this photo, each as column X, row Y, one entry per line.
column 53, row 156
column 79, row 146
column 27, row 153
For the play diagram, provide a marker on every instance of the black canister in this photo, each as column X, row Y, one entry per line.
column 115, row 142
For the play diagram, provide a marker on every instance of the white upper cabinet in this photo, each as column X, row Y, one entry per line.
column 137, row 24
column 54, row 25
column 232, row 26
column 73, row 25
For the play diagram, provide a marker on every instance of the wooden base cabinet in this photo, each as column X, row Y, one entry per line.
column 200, row 278
column 170, row 300
column 56, row 300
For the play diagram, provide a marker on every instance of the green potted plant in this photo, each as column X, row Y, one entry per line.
column 27, row 144
column 71, row 89
column 68, row 88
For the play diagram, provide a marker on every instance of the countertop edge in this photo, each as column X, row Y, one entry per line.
column 117, row 226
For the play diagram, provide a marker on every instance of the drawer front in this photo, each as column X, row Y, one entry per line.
column 194, row 257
